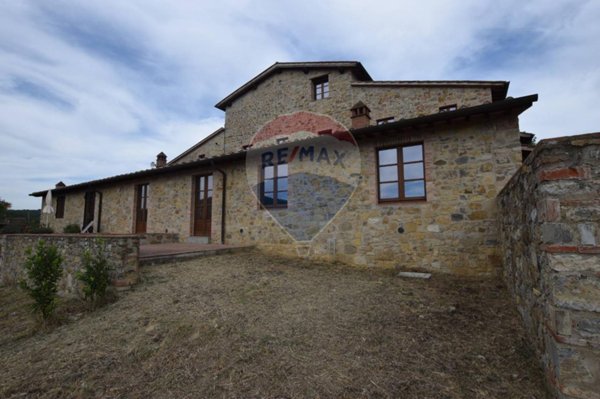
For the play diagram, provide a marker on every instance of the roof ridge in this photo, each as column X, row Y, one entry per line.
column 356, row 66
column 198, row 144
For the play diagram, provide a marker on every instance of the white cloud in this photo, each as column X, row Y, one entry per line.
column 93, row 89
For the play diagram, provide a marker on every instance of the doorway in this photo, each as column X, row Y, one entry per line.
column 88, row 211
column 141, row 208
column 202, row 212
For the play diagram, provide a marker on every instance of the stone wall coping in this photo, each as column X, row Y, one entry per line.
column 562, row 139
column 579, row 140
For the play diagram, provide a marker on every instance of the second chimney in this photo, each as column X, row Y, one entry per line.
column 161, row 160
column 360, row 115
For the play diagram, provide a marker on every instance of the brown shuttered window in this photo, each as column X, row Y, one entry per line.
column 60, row 207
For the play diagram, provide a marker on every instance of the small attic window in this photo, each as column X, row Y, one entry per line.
column 383, row 121
column 320, row 87
column 448, row 108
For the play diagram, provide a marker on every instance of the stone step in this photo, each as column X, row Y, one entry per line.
column 197, row 240
column 183, row 256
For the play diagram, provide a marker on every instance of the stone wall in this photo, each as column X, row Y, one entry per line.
column 115, row 204
column 453, row 231
column 73, row 214
column 410, row 102
column 121, row 251
column 158, row 238
column 210, row 148
column 118, row 204
column 550, row 230
column 169, row 207
column 291, row 91
column 281, row 94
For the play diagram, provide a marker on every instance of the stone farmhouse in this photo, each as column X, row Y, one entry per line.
column 412, row 184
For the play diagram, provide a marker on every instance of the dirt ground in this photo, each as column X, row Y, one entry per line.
column 249, row 326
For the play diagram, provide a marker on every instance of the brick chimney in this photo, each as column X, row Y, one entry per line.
column 161, row 160
column 360, row 115
column 60, row 184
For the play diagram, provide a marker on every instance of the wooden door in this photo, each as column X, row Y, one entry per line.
column 141, row 208
column 88, row 210
column 203, row 186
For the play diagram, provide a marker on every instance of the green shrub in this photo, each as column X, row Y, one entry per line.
column 12, row 229
column 43, row 268
column 72, row 229
column 40, row 230
column 95, row 275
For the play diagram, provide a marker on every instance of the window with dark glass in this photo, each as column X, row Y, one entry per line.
column 448, row 108
column 141, row 208
column 385, row 120
column 60, row 207
column 274, row 186
column 321, row 87
column 401, row 173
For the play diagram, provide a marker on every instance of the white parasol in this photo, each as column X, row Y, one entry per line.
column 48, row 209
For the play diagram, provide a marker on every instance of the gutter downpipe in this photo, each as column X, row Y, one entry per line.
column 223, row 202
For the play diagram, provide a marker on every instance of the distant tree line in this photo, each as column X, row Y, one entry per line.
column 14, row 221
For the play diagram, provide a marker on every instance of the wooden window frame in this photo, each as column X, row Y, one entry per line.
column 60, row 207
column 318, row 87
column 275, row 177
column 400, row 165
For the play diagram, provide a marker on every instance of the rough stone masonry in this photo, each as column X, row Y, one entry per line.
column 549, row 216
column 121, row 252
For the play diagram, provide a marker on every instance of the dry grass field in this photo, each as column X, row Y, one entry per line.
column 249, row 326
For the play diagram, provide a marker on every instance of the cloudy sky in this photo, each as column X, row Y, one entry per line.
column 90, row 89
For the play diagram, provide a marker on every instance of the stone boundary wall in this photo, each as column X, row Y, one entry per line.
column 121, row 251
column 549, row 223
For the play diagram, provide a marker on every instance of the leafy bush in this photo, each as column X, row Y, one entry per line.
column 43, row 268
column 95, row 275
column 11, row 229
column 72, row 229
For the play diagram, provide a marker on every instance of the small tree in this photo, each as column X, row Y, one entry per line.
column 95, row 275
column 43, row 268
column 4, row 207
